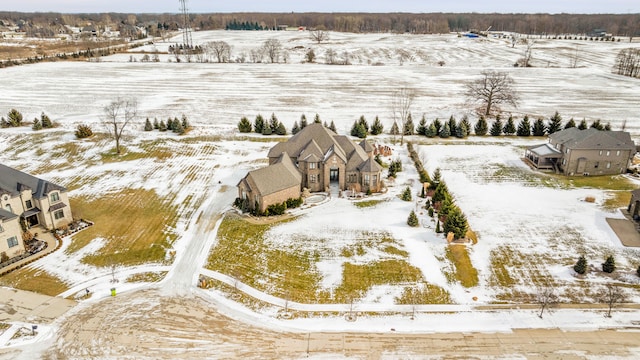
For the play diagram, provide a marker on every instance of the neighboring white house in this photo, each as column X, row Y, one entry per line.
column 32, row 201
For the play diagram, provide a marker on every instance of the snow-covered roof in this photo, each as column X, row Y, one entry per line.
column 544, row 150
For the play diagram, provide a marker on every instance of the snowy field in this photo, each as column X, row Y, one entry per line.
column 533, row 233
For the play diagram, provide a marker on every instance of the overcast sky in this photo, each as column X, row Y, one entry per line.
column 416, row 6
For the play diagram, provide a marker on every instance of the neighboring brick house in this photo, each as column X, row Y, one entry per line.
column 33, row 201
column 321, row 158
column 584, row 152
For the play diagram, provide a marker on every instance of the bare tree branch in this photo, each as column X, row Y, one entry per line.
column 546, row 298
column 492, row 88
column 401, row 102
column 612, row 295
column 272, row 49
column 118, row 114
column 220, row 49
column 319, row 35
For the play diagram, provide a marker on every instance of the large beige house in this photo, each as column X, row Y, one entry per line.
column 315, row 158
column 32, row 201
column 584, row 152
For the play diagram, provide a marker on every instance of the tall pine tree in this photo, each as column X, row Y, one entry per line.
column 510, row 126
column 377, row 128
column 555, row 123
column 538, row 127
column 524, row 127
column 496, row 127
column 258, row 124
column 571, row 123
column 409, row 128
column 481, row 127
column 582, row 125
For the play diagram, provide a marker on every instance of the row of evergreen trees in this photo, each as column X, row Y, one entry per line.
column 177, row 126
column 243, row 25
column 44, row 122
column 361, row 129
column 274, row 126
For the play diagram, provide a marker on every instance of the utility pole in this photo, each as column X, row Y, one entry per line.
column 187, row 43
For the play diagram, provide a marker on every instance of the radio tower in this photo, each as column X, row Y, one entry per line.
column 186, row 26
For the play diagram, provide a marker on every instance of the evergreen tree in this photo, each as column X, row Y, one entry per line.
column 325, row 124
column 162, row 126
column 156, row 124
column 462, row 131
column 538, row 127
column 582, row 125
column 332, row 127
column 453, row 127
column 446, row 206
column 597, row 125
column 431, row 131
column 185, row 122
column 281, row 129
column 394, row 129
column 406, row 194
column 258, row 124
column 358, row 130
column 169, row 124
column 467, row 124
column 37, row 125
column 177, row 128
column 509, row 127
column 362, row 121
column 244, row 126
column 607, row 126
column 524, row 127
column 555, row 123
column 609, row 265
column 303, row 122
column 496, row 128
column 274, row 123
column 409, row 128
column 481, row 127
column 14, row 118
column 295, row 129
column 445, row 132
column 46, row 122
column 438, row 231
column 441, row 192
column 438, row 125
column 413, row 219
column 266, row 130
column 456, row 223
column 377, row 128
column 316, row 119
column 570, row 124
column 147, row 125
column 581, row 266
column 638, row 270
column 422, row 126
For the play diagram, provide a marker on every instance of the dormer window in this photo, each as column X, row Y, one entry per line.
column 54, row 197
column 312, row 165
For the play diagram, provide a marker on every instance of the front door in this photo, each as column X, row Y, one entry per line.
column 582, row 166
column 333, row 175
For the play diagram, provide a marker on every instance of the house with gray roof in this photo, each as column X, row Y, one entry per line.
column 585, row 152
column 31, row 201
column 316, row 158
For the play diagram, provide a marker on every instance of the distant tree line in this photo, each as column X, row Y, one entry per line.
column 428, row 23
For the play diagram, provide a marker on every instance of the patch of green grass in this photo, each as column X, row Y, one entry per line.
column 604, row 182
column 357, row 279
column 367, row 203
column 424, row 293
column 500, row 258
column 35, row 280
column 395, row 251
column 136, row 224
column 616, row 199
column 464, row 270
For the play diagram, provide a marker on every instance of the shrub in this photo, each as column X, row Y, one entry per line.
column 14, row 119
column 413, row 219
column 4, row 257
column 276, row 209
column 83, row 131
column 147, row 125
column 430, row 212
column 37, row 125
column 406, row 194
column 609, row 265
column 293, row 203
column 581, row 266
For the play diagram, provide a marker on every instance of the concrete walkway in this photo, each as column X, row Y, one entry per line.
column 27, row 306
column 626, row 231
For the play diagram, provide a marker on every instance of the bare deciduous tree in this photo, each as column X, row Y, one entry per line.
column 220, row 49
column 494, row 87
column 546, row 298
column 118, row 114
column 330, row 56
column 401, row 102
column 528, row 43
column 319, row 35
column 272, row 49
column 612, row 295
column 256, row 55
column 628, row 62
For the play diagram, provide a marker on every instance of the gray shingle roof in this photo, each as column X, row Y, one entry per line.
column 6, row 215
column 544, row 150
column 13, row 181
column 593, row 139
column 276, row 177
column 370, row 166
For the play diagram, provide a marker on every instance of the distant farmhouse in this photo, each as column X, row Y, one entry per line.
column 28, row 202
column 584, row 152
column 315, row 158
